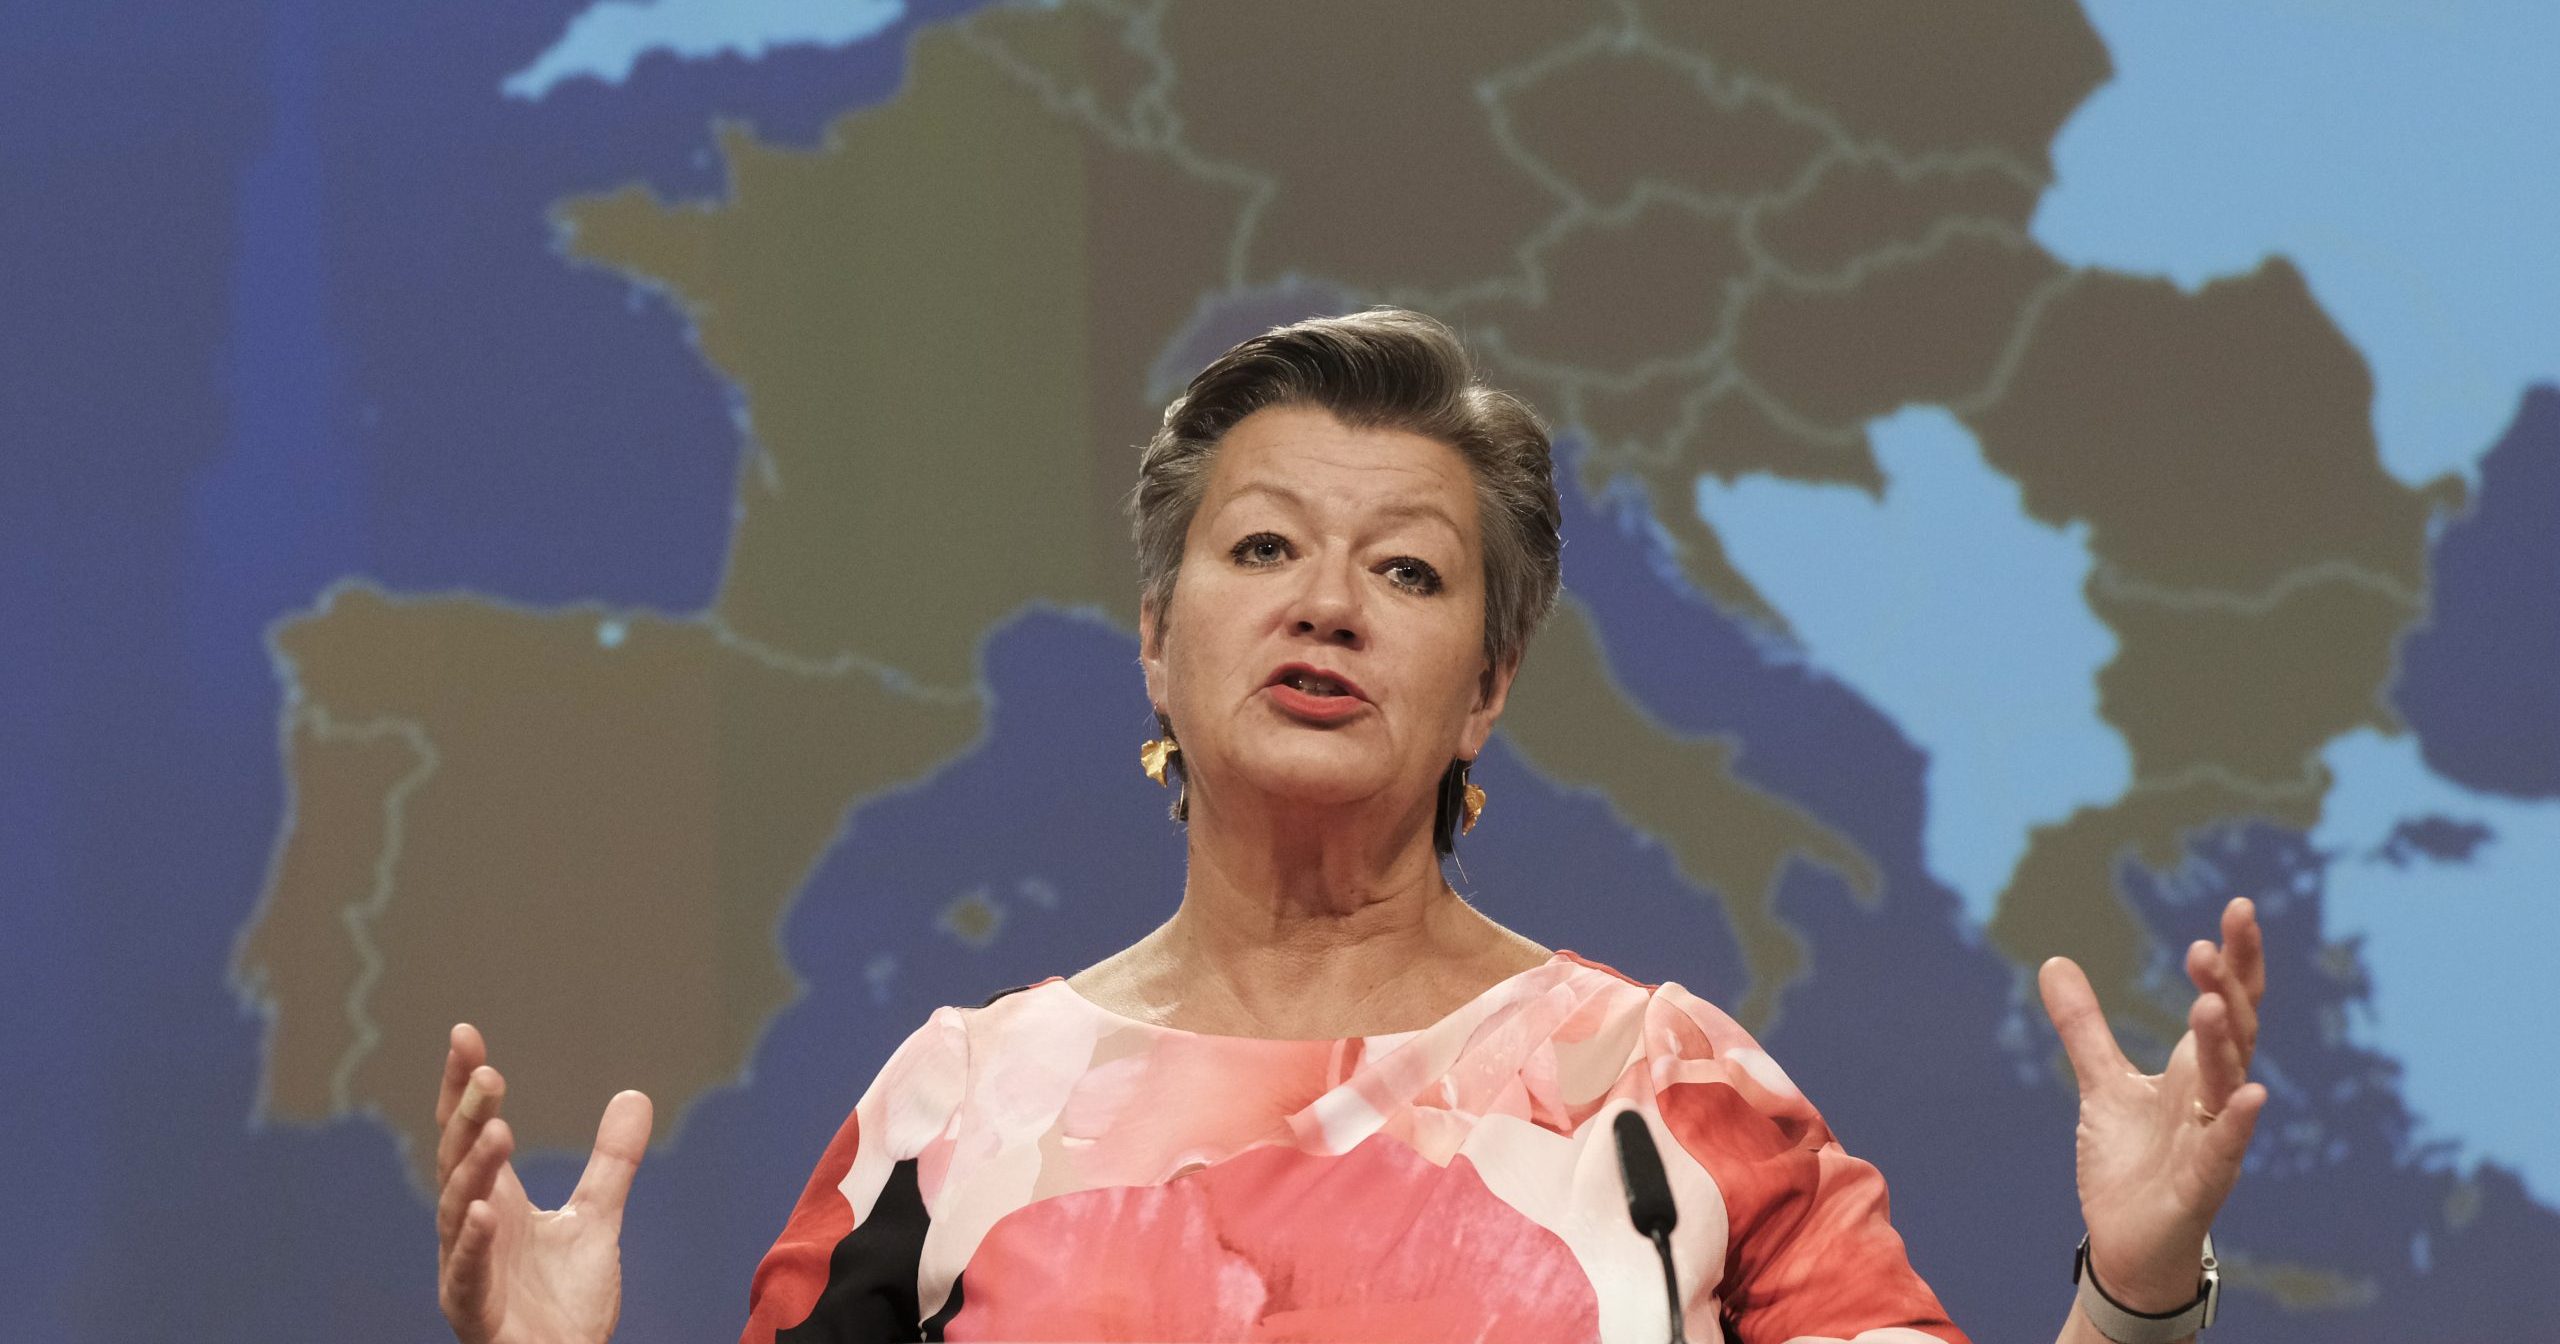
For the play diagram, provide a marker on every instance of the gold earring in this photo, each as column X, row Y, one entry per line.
column 1472, row 808
column 1153, row 756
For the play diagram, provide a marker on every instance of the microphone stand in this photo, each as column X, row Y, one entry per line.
column 1649, row 1203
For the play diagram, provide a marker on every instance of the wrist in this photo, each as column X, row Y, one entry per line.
column 2142, row 1320
column 2150, row 1283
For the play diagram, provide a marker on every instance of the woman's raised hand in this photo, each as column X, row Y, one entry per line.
column 2158, row 1153
column 507, row 1272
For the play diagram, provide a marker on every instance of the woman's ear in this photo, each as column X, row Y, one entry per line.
column 1151, row 650
column 1493, row 689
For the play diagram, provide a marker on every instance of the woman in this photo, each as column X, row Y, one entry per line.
column 1327, row 1099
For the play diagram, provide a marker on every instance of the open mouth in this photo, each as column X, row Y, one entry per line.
column 1309, row 683
column 1316, row 683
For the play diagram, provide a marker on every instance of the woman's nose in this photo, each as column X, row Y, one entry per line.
column 1328, row 605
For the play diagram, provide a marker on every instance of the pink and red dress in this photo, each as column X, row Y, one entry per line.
column 1044, row 1169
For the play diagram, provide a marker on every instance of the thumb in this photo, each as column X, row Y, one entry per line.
column 2227, row 1137
column 622, row 1138
column 2086, row 1038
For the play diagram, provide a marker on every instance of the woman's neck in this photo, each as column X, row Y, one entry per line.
column 1310, row 932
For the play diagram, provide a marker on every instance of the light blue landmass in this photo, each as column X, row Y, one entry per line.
column 2459, row 953
column 2401, row 152
column 1960, row 617
column 607, row 38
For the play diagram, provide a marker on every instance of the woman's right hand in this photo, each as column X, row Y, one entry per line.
column 507, row 1272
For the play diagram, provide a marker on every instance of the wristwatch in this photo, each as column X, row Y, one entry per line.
column 2124, row 1325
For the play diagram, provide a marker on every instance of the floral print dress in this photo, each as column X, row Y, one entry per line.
column 1044, row 1169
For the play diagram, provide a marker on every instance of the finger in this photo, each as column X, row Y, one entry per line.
column 622, row 1138
column 464, row 1051
column 464, row 1292
column 2086, row 1038
column 474, row 1179
column 482, row 1093
column 2219, row 1068
column 2212, row 969
column 2244, row 946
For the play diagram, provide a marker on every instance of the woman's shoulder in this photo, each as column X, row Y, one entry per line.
column 1686, row 1022
column 1682, row 1036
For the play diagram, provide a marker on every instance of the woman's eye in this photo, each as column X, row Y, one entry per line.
column 1412, row 575
column 1262, row 548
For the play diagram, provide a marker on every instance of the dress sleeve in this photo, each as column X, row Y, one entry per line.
column 844, row 1269
column 1810, row 1255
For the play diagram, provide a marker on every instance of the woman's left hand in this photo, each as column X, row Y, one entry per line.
column 2158, row 1153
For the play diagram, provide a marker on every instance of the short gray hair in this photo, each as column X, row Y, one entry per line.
column 1386, row 368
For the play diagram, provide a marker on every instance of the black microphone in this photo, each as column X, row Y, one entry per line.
column 1649, row 1203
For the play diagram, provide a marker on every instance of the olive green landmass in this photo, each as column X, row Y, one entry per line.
column 1570, row 719
column 1864, row 206
column 336, row 861
column 2252, row 691
column 2219, row 440
column 940, row 321
column 1089, row 58
column 1738, row 432
column 1947, row 78
column 1637, row 120
column 1386, row 174
column 1929, row 327
column 578, row 829
column 1652, row 286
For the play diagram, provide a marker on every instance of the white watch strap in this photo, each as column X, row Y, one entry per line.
column 2127, row 1326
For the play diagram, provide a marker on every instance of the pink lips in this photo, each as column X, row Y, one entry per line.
column 1309, row 706
column 1289, row 672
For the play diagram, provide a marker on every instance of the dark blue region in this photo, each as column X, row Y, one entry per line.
column 285, row 307
column 2441, row 839
column 2338, row 1179
column 2476, row 680
column 121, row 130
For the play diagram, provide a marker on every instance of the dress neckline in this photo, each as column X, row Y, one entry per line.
column 1509, row 984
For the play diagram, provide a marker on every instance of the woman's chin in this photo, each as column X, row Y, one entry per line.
column 1315, row 786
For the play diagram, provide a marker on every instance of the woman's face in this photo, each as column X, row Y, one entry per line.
column 1325, row 644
